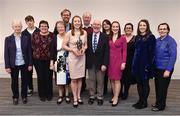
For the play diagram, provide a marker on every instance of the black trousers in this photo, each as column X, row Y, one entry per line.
column 124, row 89
column 143, row 91
column 15, row 81
column 161, row 87
column 44, row 78
column 30, row 80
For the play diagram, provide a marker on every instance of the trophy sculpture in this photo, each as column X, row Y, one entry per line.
column 79, row 44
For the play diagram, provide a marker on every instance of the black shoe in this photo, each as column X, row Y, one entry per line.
column 80, row 101
column 155, row 109
column 24, row 100
column 15, row 101
column 30, row 93
column 43, row 99
column 49, row 98
column 75, row 104
column 111, row 101
column 141, row 106
column 136, row 104
column 114, row 105
column 60, row 100
column 91, row 101
column 68, row 100
column 100, row 102
column 154, row 105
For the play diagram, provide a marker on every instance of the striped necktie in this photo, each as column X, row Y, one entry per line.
column 95, row 43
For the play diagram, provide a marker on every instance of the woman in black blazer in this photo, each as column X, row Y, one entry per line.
column 18, row 57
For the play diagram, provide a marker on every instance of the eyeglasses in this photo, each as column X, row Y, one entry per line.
column 65, row 15
column 162, row 28
column 128, row 28
column 43, row 26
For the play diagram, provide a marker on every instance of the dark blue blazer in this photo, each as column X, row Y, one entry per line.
column 101, row 55
column 10, row 51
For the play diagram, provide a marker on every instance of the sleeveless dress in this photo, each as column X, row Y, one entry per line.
column 76, row 64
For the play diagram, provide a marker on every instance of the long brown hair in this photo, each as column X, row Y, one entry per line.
column 107, row 22
column 119, row 32
column 148, row 31
column 72, row 26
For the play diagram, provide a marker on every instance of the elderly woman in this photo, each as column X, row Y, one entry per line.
column 165, row 58
column 18, row 57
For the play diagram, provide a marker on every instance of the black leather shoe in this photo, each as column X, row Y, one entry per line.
column 136, row 104
column 15, row 101
column 68, row 100
column 154, row 105
column 60, row 100
column 43, row 99
column 100, row 102
column 24, row 100
column 49, row 98
column 155, row 109
column 91, row 101
column 141, row 106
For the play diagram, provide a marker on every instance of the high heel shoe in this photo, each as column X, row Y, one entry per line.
column 113, row 105
column 80, row 101
column 75, row 104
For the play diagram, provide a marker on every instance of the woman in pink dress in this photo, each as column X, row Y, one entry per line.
column 117, row 59
column 76, row 43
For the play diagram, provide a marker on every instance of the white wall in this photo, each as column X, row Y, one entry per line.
column 156, row 11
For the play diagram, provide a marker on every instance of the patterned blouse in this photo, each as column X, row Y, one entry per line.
column 41, row 45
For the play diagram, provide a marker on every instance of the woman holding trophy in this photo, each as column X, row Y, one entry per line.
column 76, row 43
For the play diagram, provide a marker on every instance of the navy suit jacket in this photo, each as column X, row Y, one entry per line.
column 101, row 55
column 10, row 51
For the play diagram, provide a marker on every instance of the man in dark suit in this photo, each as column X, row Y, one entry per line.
column 97, row 55
column 28, row 32
column 18, row 57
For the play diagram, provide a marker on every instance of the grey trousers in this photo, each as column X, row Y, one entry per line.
column 96, row 83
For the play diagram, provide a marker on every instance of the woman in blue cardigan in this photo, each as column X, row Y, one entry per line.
column 165, row 58
column 143, row 61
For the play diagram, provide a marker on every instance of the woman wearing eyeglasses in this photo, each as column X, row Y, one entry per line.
column 41, row 58
column 165, row 58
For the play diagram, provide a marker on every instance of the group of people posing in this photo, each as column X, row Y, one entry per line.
column 75, row 47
